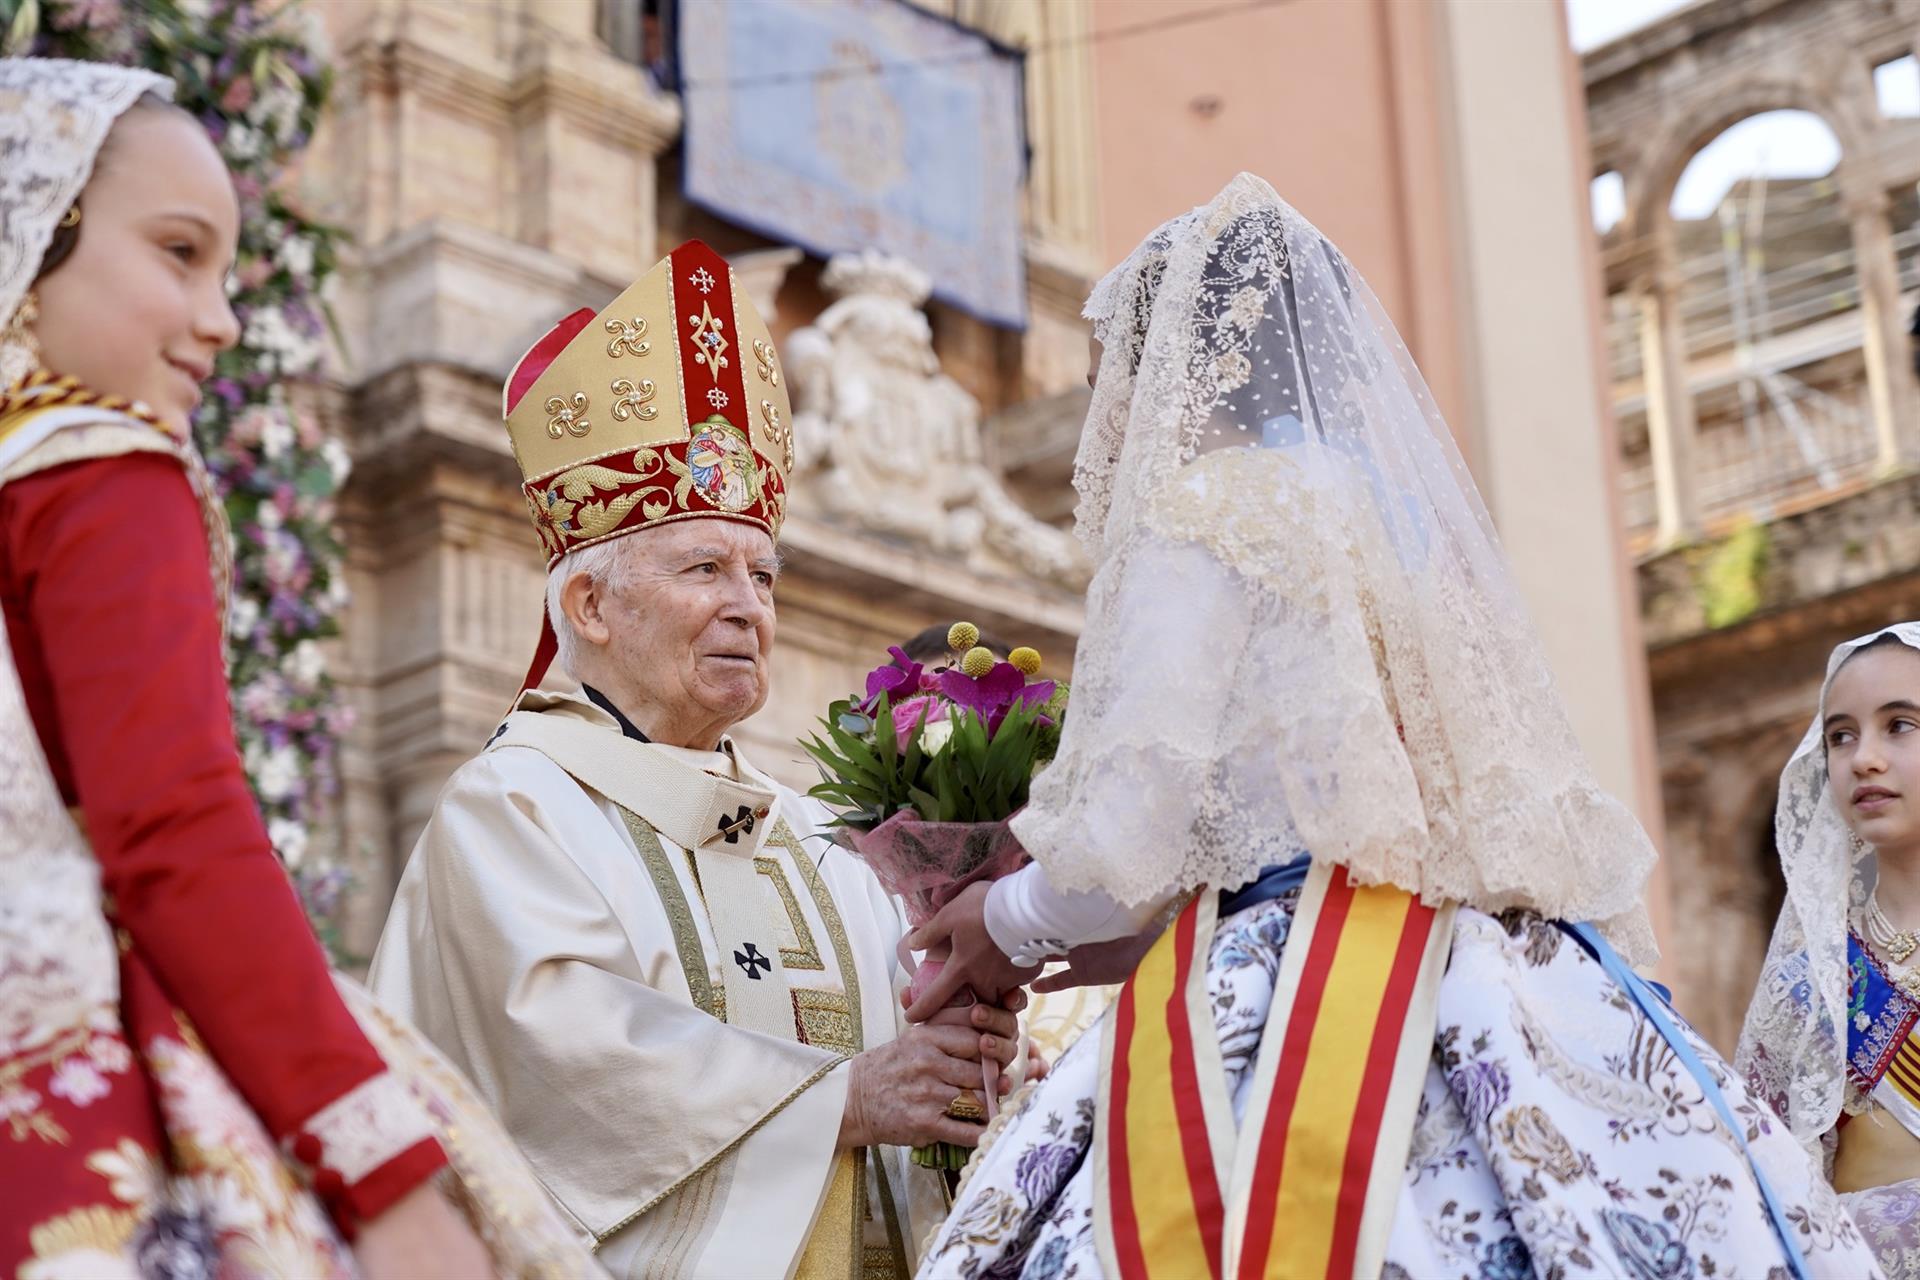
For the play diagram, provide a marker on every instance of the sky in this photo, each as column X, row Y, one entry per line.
column 1780, row 144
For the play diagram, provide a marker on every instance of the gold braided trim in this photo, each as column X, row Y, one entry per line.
column 819, row 1074
column 673, row 900
column 43, row 390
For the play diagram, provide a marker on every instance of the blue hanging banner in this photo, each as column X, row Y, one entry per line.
column 844, row 125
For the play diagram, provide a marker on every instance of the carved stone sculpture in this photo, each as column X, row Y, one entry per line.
column 892, row 443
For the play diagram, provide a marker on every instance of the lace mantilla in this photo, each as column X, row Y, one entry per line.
column 1793, row 1048
column 54, row 116
column 1302, row 632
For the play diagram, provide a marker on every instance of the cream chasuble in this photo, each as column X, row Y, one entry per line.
column 656, row 976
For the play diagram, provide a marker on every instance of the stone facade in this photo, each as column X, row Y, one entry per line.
column 498, row 167
column 1747, row 581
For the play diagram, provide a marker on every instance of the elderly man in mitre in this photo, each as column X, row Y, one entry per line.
column 681, row 1001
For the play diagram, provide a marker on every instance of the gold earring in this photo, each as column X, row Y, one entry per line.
column 19, row 347
column 71, row 218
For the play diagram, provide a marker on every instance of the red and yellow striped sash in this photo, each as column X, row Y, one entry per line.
column 1307, row 1188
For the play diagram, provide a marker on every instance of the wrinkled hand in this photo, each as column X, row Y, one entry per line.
column 976, row 961
column 1099, row 964
column 421, row 1238
column 898, row 1093
column 998, row 1027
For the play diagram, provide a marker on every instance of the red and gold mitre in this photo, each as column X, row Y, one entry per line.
column 668, row 405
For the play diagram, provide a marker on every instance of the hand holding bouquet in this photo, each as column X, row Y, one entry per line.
column 926, row 770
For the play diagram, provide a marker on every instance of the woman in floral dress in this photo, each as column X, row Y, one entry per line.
column 1830, row 1037
column 1307, row 678
column 184, row 1091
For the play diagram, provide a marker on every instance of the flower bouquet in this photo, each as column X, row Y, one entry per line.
column 926, row 771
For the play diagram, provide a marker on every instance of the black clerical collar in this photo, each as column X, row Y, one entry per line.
column 605, row 703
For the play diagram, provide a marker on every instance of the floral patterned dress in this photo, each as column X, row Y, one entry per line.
column 1558, row 1135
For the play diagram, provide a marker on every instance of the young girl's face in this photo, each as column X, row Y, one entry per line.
column 1872, row 734
column 139, row 308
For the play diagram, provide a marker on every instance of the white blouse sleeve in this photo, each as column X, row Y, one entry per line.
column 1030, row 920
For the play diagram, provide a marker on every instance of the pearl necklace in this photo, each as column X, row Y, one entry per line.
column 1894, row 946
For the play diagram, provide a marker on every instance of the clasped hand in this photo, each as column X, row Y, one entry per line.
column 898, row 1093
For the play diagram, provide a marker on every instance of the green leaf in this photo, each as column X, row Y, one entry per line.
column 23, row 28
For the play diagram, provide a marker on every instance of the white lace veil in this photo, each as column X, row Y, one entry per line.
column 1793, row 1048
column 1302, row 632
column 54, row 116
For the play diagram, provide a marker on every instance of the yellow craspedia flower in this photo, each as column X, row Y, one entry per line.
column 962, row 636
column 978, row 662
column 1028, row 660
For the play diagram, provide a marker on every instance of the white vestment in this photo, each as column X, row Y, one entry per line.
column 655, row 971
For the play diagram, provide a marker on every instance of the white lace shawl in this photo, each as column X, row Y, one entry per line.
column 54, row 117
column 1793, row 1048
column 1302, row 632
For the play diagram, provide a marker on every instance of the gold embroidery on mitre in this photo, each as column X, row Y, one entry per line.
column 712, row 344
column 631, row 399
column 570, row 417
column 629, row 337
column 782, row 434
column 765, row 363
column 700, row 444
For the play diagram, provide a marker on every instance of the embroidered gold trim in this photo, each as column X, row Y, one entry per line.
column 782, row 834
column 568, row 417
column 818, row 1075
column 806, row 955
column 824, row 1020
column 673, row 900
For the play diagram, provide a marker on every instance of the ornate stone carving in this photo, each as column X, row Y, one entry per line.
column 894, row 444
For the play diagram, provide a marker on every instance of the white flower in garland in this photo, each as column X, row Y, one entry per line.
column 277, row 437
column 289, row 840
column 243, row 617
column 305, row 664
column 242, row 143
column 296, row 255
column 279, row 774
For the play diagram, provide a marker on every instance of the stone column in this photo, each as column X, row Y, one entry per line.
column 1670, row 420
column 1885, row 345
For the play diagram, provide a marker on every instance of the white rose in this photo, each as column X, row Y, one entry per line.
column 289, row 838
column 276, row 438
column 243, row 617
column 242, row 143
column 270, row 517
column 935, row 734
column 305, row 664
column 296, row 255
column 279, row 774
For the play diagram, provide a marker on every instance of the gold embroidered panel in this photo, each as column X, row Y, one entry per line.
column 825, row 1020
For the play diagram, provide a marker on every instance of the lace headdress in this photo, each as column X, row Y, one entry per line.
column 1793, row 1048
column 54, row 117
column 1302, row 632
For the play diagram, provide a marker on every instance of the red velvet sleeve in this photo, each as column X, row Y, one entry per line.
column 106, row 576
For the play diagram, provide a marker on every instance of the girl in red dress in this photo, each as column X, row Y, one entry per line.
column 183, row 1088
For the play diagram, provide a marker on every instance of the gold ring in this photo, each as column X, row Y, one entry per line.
column 966, row 1106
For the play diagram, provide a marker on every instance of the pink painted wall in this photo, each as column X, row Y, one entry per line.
column 1332, row 101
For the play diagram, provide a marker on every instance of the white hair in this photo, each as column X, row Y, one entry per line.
column 604, row 563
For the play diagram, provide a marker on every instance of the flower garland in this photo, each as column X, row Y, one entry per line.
column 252, row 74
